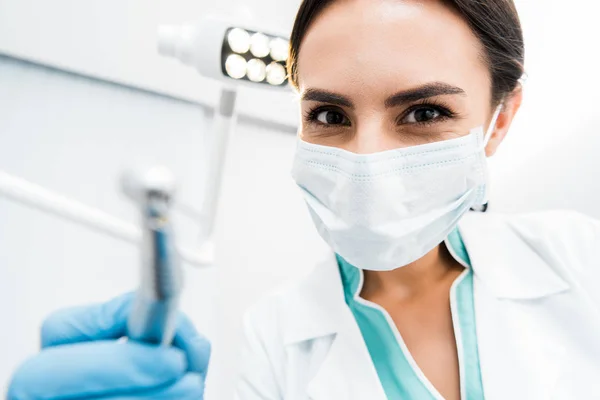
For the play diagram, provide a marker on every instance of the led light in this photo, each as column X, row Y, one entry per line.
column 235, row 65
column 279, row 49
column 275, row 74
column 259, row 45
column 239, row 40
column 257, row 70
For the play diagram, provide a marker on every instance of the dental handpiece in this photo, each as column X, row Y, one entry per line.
column 153, row 316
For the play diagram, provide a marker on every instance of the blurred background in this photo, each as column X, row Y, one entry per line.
column 84, row 94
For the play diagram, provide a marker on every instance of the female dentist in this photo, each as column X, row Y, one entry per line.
column 402, row 101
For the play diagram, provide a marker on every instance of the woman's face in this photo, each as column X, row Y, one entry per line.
column 378, row 75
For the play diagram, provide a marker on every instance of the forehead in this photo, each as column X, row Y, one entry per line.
column 377, row 44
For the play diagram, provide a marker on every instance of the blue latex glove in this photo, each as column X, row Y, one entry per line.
column 81, row 358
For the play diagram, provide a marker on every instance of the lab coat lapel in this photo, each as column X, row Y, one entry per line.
column 320, row 316
column 519, row 357
column 347, row 371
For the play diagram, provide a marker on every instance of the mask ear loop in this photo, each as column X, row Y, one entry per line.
column 492, row 126
column 486, row 139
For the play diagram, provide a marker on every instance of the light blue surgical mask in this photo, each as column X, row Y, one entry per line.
column 385, row 210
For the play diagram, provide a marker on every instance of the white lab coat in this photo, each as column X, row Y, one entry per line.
column 537, row 298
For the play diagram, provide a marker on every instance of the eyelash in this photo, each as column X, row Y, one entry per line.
column 438, row 105
column 444, row 110
column 312, row 114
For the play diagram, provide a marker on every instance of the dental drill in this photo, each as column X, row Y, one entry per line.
column 153, row 317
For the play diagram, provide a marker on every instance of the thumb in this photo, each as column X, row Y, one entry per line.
column 87, row 323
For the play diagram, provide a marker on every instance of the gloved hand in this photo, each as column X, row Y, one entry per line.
column 82, row 357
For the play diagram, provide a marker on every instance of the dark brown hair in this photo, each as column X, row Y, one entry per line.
column 494, row 22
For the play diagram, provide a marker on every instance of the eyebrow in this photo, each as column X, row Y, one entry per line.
column 325, row 96
column 422, row 92
column 407, row 96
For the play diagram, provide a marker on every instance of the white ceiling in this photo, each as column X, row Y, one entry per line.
column 116, row 40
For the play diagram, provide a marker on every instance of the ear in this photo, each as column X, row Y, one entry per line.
column 505, row 119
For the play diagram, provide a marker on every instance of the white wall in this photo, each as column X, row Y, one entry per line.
column 550, row 157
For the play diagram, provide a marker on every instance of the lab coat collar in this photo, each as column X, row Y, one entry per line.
column 502, row 258
column 317, row 304
column 318, row 310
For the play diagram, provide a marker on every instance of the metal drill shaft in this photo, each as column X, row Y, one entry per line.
column 153, row 316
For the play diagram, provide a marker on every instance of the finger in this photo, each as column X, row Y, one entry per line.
column 86, row 323
column 195, row 346
column 109, row 321
column 190, row 387
column 98, row 369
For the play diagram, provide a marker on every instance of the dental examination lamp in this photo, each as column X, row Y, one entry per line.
column 228, row 53
column 235, row 55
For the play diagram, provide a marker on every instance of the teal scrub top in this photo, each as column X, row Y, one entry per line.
column 399, row 374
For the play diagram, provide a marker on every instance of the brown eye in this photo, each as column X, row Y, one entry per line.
column 422, row 115
column 332, row 118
